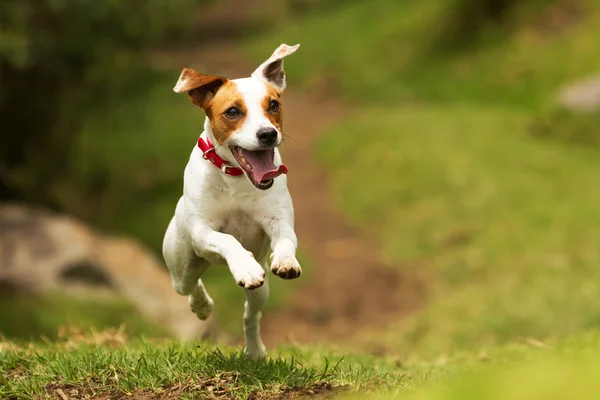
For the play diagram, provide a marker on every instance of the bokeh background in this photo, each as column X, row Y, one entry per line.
column 443, row 154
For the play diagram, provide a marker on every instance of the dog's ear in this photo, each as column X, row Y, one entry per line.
column 199, row 87
column 272, row 69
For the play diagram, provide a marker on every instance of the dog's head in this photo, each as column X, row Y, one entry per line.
column 246, row 116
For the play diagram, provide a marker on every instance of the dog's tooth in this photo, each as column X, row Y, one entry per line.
column 246, row 162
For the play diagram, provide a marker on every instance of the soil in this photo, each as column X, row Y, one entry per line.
column 209, row 389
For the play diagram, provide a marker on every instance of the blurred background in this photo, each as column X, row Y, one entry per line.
column 443, row 155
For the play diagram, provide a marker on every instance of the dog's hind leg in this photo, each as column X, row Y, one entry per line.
column 186, row 269
column 184, row 265
column 255, row 301
column 200, row 302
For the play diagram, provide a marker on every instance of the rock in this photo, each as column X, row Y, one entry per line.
column 41, row 251
column 582, row 96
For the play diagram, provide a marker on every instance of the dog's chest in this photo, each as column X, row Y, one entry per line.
column 245, row 229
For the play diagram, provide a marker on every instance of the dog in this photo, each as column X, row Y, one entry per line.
column 235, row 208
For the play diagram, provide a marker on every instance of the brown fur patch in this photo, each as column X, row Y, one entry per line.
column 227, row 96
column 276, row 118
column 199, row 87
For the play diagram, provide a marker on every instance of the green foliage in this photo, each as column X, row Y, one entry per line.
column 467, row 17
column 128, row 160
column 75, row 30
column 466, row 22
column 57, row 59
column 301, row 7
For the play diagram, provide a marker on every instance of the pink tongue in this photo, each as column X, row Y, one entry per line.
column 263, row 168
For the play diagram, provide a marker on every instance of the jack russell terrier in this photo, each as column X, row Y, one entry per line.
column 235, row 202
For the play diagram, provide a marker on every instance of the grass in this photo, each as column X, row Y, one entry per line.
column 107, row 363
column 506, row 226
column 568, row 371
column 125, row 367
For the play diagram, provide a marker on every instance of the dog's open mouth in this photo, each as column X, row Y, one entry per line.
column 259, row 166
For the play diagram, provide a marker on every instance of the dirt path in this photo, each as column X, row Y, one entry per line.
column 348, row 288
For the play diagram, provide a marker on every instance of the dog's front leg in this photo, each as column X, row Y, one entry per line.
column 280, row 228
column 215, row 246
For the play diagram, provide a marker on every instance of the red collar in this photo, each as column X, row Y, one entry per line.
column 209, row 153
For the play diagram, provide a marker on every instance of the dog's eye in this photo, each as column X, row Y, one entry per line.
column 233, row 113
column 274, row 106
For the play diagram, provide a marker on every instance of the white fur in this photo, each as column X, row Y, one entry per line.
column 223, row 218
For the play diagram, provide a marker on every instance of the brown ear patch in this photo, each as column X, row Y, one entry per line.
column 222, row 127
column 276, row 118
column 199, row 87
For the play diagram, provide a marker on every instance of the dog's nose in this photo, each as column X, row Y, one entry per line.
column 267, row 136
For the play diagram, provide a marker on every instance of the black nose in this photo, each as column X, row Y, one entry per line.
column 267, row 136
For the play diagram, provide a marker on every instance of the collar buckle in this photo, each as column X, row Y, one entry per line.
column 225, row 169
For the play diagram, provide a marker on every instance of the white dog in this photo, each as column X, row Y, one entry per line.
column 235, row 199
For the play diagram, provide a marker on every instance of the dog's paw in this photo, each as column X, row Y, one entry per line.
column 255, row 353
column 286, row 267
column 249, row 274
column 201, row 307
